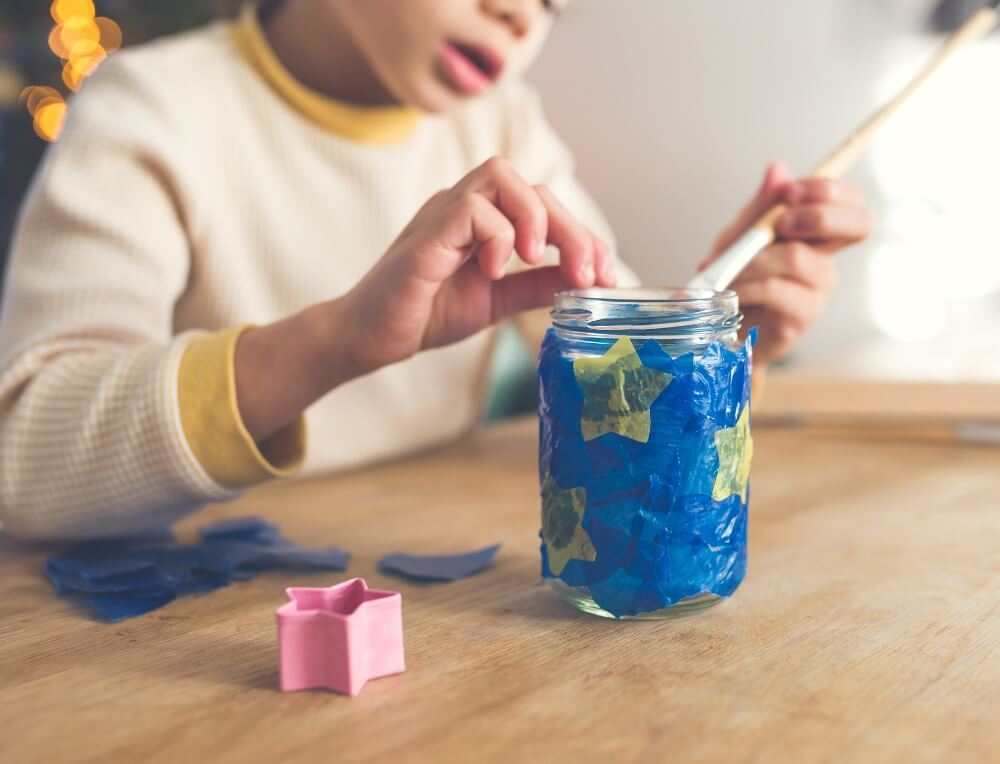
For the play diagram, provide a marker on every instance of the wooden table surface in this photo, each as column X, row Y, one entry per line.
column 868, row 629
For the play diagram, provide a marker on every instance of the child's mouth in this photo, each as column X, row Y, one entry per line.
column 470, row 68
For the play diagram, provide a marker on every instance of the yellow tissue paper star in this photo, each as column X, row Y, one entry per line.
column 617, row 392
column 735, row 447
column 562, row 513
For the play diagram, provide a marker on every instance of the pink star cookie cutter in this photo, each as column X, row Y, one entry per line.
column 339, row 637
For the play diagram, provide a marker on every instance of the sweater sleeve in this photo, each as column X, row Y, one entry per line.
column 91, row 434
column 213, row 425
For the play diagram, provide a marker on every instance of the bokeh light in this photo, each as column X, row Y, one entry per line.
column 71, row 77
column 86, row 56
column 110, row 34
column 78, row 29
column 83, row 41
column 34, row 95
column 49, row 119
column 56, row 43
column 63, row 10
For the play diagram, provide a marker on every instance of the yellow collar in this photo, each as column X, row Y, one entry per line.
column 390, row 124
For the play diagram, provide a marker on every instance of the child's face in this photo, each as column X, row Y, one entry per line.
column 432, row 54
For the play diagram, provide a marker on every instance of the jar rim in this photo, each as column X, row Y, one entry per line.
column 642, row 295
column 678, row 318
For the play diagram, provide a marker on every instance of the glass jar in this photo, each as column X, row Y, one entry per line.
column 645, row 449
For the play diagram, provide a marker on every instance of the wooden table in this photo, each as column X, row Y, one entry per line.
column 945, row 381
column 867, row 630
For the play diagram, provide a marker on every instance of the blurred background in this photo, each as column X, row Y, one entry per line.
column 43, row 62
column 673, row 109
column 689, row 101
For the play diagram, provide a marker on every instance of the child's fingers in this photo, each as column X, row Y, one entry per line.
column 498, row 181
column 793, row 260
column 538, row 217
column 534, row 288
column 604, row 263
column 823, row 191
column 577, row 246
column 826, row 222
column 474, row 224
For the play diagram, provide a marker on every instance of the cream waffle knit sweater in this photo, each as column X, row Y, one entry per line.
column 198, row 188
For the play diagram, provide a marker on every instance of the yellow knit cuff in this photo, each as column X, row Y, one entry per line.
column 210, row 416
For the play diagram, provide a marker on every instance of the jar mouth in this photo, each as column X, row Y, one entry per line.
column 690, row 317
column 643, row 295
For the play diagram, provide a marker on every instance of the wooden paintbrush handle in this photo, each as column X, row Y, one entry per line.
column 841, row 160
column 766, row 222
column 845, row 155
column 729, row 264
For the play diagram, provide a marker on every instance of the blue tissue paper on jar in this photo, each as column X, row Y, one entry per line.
column 644, row 463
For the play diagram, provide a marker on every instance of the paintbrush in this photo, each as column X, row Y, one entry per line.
column 729, row 264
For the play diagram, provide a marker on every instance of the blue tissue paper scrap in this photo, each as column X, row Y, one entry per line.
column 661, row 520
column 121, row 578
column 438, row 567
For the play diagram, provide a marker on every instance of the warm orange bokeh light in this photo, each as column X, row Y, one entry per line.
column 111, row 34
column 82, row 42
column 71, row 77
column 86, row 56
column 33, row 96
column 56, row 43
column 78, row 29
column 49, row 120
column 64, row 10
column 26, row 94
column 48, row 101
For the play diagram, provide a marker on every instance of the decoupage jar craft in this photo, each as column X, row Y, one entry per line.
column 645, row 450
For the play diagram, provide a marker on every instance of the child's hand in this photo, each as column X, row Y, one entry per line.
column 784, row 290
column 444, row 278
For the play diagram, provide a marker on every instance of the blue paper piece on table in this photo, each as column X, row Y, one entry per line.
column 91, row 566
column 331, row 558
column 242, row 529
column 438, row 567
column 146, row 579
column 125, row 577
column 242, row 557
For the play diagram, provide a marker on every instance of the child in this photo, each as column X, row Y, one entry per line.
column 245, row 222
